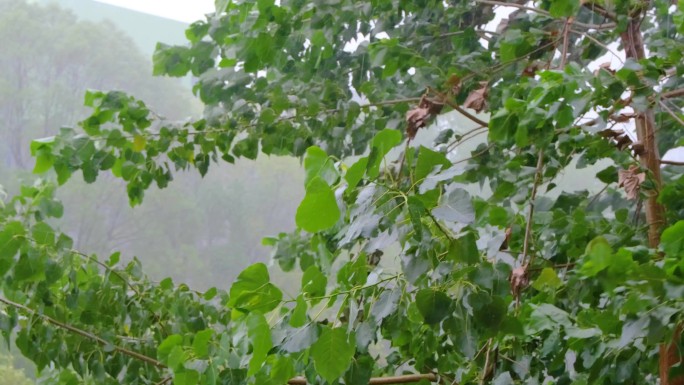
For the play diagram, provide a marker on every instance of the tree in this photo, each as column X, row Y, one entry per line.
column 456, row 269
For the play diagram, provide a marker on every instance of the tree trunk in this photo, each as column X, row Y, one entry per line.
column 632, row 40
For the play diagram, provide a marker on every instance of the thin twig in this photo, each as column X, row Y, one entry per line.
column 475, row 155
column 84, row 333
column 600, row 11
column 442, row 229
column 598, row 194
column 530, row 214
column 566, row 32
column 458, row 108
column 599, row 43
column 514, row 5
column 465, row 137
column 109, row 269
column 672, row 94
column 671, row 162
column 671, row 113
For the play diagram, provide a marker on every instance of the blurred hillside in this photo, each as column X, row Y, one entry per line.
column 51, row 56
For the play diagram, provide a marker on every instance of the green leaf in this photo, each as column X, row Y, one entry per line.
column 318, row 164
column 564, row 8
column 360, row 371
column 332, row 353
column 548, row 279
column 260, row 337
column 382, row 143
column 298, row 318
column 167, row 345
column 456, row 206
column 608, row 175
column 11, row 239
column 252, row 291
column 186, row 377
column 464, row 249
column 43, row 234
column 318, row 211
column 139, row 143
column 433, row 305
column 597, row 257
column 385, row 305
column 547, row 317
column 428, row 161
column 490, row 315
column 314, row 283
column 201, row 343
column 41, row 149
column 672, row 240
column 356, row 172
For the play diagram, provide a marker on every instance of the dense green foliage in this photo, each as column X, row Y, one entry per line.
column 412, row 258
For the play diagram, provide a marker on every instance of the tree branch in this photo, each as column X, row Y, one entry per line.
column 671, row 162
column 530, row 214
column 671, row 113
column 599, row 10
column 84, row 333
column 672, row 94
column 458, row 108
column 405, row 379
column 602, row 26
column 514, row 5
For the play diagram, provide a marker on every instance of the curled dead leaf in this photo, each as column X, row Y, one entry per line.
column 630, row 180
column 507, row 240
column 418, row 117
column 477, row 100
column 519, row 280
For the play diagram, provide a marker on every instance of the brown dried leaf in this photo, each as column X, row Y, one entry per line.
column 507, row 240
column 531, row 70
column 418, row 117
column 606, row 67
column 623, row 142
column 622, row 118
column 477, row 100
column 519, row 280
column 612, row 134
column 630, row 180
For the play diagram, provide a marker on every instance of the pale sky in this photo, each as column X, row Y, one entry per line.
column 183, row 10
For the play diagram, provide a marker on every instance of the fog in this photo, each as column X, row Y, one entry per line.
column 201, row 231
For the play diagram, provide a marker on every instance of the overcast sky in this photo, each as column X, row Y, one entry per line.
column 183, row 10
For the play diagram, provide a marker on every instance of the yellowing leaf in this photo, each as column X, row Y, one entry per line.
column 139, row 143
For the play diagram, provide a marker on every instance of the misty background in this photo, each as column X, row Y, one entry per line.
column 201, row 231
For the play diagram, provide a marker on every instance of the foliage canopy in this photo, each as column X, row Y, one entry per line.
column 465, row 268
